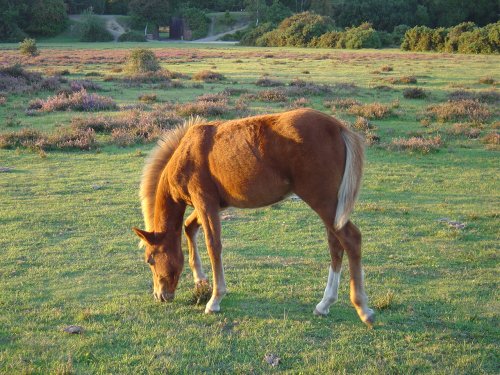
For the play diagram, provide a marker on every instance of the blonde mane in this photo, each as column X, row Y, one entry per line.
column 155, row 165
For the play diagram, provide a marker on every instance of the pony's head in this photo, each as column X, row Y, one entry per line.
column 166, row 260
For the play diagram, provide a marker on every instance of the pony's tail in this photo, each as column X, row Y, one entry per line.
column 351, row 181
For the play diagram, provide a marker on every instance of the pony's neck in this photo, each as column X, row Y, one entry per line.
column 168, row 213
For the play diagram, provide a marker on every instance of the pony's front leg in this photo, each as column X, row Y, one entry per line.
column 191, row 227
column 210, row 220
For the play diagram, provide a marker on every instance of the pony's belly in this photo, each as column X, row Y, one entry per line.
column 256, row 192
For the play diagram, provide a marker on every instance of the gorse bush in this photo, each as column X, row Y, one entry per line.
column 28, row 47
column 463, row 38
column 296, row 31
column 142, row 60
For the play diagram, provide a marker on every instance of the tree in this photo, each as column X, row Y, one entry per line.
column 154, row 13
column 46, row 17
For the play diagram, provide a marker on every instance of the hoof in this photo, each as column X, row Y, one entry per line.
column 369, row 320
column 317, row 313
column 209, row 311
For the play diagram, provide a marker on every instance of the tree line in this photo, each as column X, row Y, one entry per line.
column 19, row 18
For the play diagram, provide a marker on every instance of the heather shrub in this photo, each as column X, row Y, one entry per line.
column 402, row 80
column 371, row 110
column 219, row 97
column 132, row 36
column 341, row 104
column 487, row 80
column 64, row 139
column 142, row 60
column 419, row 144
column 362, row 124
column 208, row 76
column 464, row 130
column 300, row 103
column 268, row 82
column 460, row 110
column 492, row 140
column 85, row 84
column 163, row 77
column 3, row 99
column 14, row 78
column 92, row 28
column 490, row 96
column 27, row 138
column 202, row 108
column 28, row 47
column 147, row 98
column 387, row 68
column 78, row 101
column 414, row 93
column 273, row 95
column 299, row 87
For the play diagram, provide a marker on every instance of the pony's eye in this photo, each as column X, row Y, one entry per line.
column 150, row 260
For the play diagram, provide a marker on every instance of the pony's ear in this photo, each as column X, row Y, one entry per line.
column 148, row 237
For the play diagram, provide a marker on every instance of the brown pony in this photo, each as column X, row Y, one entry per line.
column 246, row 163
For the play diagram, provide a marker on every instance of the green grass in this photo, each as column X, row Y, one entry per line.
column 69, row 257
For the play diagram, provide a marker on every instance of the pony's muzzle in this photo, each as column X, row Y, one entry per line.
column 164, row 296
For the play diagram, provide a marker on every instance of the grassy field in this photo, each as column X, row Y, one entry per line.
column 68, row 255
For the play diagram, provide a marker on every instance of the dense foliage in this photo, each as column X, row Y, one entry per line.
column 153, row 13
column 92, row 29
column 464, row 38
column 98, row 6
column 197, row 21
column 33, row 17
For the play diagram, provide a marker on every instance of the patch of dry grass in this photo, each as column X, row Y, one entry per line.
column 419, row 144
column 459, row 110
column 208, row 76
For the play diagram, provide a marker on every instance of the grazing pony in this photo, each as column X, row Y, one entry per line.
column 248, row 163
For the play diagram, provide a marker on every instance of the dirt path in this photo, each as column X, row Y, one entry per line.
column 213, row 38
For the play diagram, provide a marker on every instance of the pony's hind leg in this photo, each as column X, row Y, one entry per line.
column 191, row 228
column 350, row 239
column 331, row 293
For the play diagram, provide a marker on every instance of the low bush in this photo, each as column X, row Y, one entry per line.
column 371, row 110
column 492, row 140
column 402, row 80
column 460, row 110
column 132, row 36
column 300, row 103
column 141, row 60
column 489, row 96
column 414, row 93
column 268, row 82
column 148, row 98
column 203, row 108
column 28, row 47
column 78, row 101
column 273, row 95
column 14, row 78
column 208, row 76
column 85, row 84
column 487, row 80
column 341, row 104
column 464, row 130
column 423, row 145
